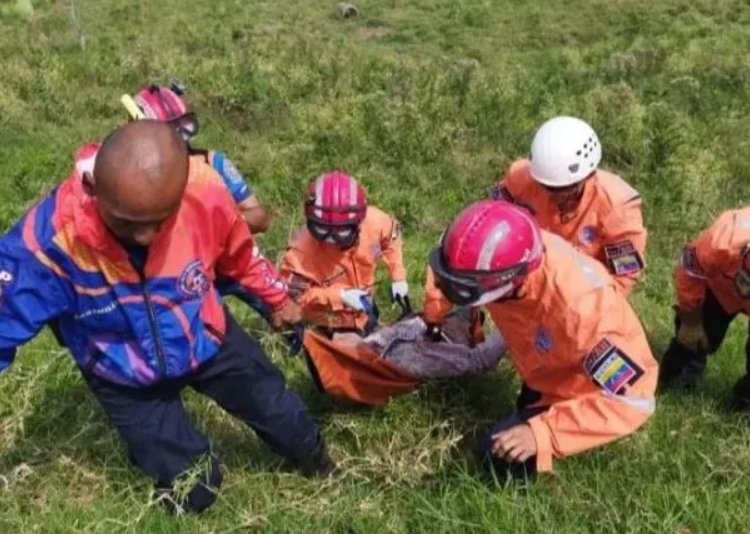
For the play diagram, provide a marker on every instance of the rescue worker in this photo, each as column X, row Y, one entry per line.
column 712, row 278
column 330, row 265
column 587, row 369
column 165, row 104
column 596, row 211
column 124, row 258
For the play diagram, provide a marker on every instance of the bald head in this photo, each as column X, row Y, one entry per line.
column 139, row 178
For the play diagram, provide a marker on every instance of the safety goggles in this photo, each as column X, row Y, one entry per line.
column 344, row 236
column 186, row 124
column 467, row 287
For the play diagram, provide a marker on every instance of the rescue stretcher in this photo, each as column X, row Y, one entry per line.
column 392, row 360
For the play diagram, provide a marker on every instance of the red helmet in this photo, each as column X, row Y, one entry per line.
column 336, row 205
column 486, row 252
column 164, row 104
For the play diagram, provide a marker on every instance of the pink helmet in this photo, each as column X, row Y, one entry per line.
column 336, row 205
column 486, row 252
column 164, row 104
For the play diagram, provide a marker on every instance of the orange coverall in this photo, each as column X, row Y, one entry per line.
column 576, row 342
column 318, row 272
column 606, row 225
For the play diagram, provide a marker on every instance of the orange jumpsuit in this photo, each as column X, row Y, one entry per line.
column 606, row 225
column 712, row 261
column 576, row 341
column 318, row 272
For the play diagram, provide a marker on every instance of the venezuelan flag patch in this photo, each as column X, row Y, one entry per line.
column 610, row 368
column 623, row 258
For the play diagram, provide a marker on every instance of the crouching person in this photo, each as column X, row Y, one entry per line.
column 712, row 279
column 330, row 265
column 589, row 375
column 124, row 259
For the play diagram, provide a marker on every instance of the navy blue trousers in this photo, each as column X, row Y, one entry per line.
column 161, row 440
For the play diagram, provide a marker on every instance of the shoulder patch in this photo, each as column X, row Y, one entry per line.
column 610, row 368
column 688, row 260
column 232, row 178
column 623, row 258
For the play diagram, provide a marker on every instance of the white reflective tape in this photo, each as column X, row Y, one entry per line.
column 642, row 404
column 497, row 235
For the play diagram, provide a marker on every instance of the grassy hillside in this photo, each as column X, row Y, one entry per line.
column 426, row 102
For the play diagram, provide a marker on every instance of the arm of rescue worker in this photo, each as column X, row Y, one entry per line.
column 392, row 246
column 620, row 401
column 435, row 306
column 625, row 246
column 256, row 216
column 242, row 262
column 305, row 291
column 30, row 296
column 700, row 259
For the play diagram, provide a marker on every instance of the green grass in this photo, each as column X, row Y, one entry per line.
column 426, row 102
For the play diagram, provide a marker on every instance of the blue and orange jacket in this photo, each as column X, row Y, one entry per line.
column 131, row 327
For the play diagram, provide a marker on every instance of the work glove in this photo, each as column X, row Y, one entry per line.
column 399, row 290
column 691, row 333
column 352, row 298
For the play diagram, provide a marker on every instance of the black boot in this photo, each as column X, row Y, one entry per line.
column 741, row 394
column 680, row 367
column 318, row 464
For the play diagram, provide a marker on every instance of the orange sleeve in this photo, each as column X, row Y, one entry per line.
column 392, row 246
column 699, row 260
column 626, row 226
column 302, row 287
column 435, row 306
column 242, row 261
column 614, row 408
column 586, row 422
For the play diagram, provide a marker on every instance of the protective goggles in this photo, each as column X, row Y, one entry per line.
column 344, row 236
column 186, row 124
column 464, row 288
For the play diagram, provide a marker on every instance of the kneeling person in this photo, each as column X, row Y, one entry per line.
column 588, row 372
column 330, row 265
column 596, row 211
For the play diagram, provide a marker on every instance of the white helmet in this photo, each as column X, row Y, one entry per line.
column 565, row 150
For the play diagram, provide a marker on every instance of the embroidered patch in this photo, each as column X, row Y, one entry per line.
column 588, row 235
column 623, row 258
column 230, row 172
column 611, row 368
column 193, row 283
column 543, row 339
column 689, row 261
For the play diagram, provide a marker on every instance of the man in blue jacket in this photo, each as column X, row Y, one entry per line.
column 124, row 256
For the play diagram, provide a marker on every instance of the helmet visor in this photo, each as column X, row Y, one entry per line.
column 466, row 287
